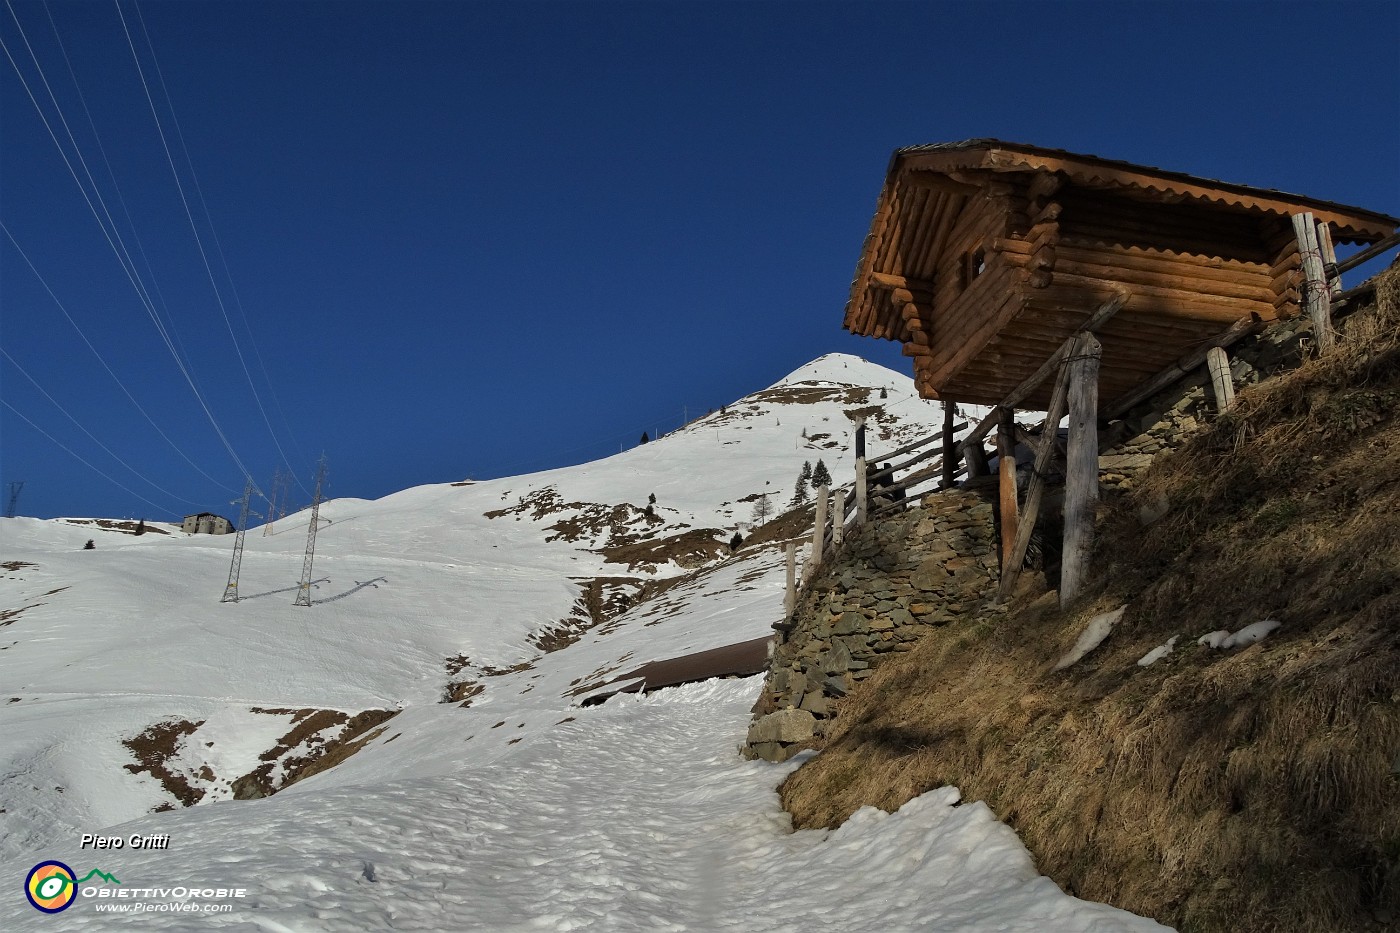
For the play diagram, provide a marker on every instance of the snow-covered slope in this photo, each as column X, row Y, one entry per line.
column 127, row 688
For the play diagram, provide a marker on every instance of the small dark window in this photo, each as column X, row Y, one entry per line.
column 974, row 265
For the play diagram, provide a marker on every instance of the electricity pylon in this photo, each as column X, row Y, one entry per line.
column 15, row 487
column 281, row 485
column 304, row 587
column 231, row 589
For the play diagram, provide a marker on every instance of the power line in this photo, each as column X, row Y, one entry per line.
column 109, row 479
column 138, row 474
column 223, row 261
column 132, row 275
column 194, row 228
column 103, row 361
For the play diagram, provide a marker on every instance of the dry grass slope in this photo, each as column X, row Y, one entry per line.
column 1243, row 790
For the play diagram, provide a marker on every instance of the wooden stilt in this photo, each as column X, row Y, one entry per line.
column 950, row 447
column 1218, row 362
column 1082, row 469
column 1011, row 569
column 1317, row 299
column 1329, row 259
column 1006, row 469
column 819, row 527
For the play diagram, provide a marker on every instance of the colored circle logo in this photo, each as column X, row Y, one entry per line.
column 50, row 887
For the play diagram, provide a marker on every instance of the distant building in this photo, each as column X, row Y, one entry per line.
column 206, row 523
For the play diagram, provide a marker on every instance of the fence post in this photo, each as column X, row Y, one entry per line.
column 790, row 597
column 862, row 494
column 819, row 526
column 838, row 518
column 1218, row 362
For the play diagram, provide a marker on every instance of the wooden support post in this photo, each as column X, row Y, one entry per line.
column 1317, row 299
column 1218, row 362
column 819, row 527
column 1049, row 441
column 950, row 446
column 1006, row 468
column 862, row 493
column 1082, row 468
column 1329, row 258
column 790, row 595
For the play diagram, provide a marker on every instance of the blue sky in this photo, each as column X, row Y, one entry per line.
column 476, row 239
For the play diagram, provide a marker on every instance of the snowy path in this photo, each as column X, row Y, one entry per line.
column 638, row 816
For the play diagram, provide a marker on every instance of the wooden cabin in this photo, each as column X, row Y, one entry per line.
column 984, row 256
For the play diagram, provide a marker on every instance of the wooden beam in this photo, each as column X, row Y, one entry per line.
column 1082, row 467
column 1317, row 300
column 1369, row 253
column 1032, row 382
column 890, row 280
column 790, row 593
column 933, row 181
column 1230, row 336
column 1006, row 469
column 819, row 526
column 1044, row 454
column 1218, row 362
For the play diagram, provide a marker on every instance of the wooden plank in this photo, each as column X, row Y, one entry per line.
column 1316, row 297
column 1218, row 362
column 1006, row 470
column 1230, row 336
column 838, row 519
column 1081, row 467
column 1031, row 383
column 819, row 526
column 1035, row 494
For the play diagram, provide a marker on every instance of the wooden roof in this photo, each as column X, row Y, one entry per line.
column 1060, row 233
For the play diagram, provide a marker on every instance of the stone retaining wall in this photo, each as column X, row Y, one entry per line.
column 894, row 581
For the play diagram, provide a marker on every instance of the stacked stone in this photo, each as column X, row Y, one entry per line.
column 1164, row 421
column 894, row 582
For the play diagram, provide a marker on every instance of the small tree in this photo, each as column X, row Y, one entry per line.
column 762, row 510
column 883, row 393
column 651, row 499
column 799, row 495
column 821, row 476
column 806, row 477
column 89, row 546
column 141, row 527
column 645, row 439
column 736, row 542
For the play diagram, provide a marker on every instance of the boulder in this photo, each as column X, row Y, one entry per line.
column 786, row 725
